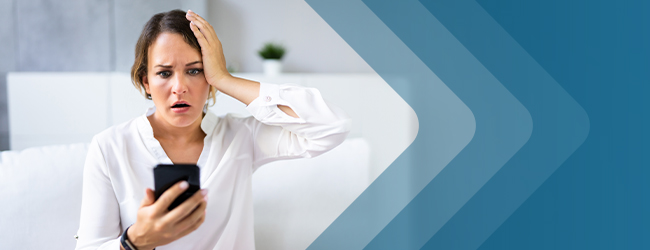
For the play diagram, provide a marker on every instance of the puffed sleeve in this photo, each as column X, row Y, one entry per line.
column 99, row 226
column 319, row 127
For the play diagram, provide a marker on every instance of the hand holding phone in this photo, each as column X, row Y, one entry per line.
column 158, row 223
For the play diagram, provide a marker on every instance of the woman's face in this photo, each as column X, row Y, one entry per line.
column 175, row 80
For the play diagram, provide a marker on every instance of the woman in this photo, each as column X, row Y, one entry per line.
column 180, row 65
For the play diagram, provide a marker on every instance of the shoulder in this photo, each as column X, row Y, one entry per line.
column 118, row 133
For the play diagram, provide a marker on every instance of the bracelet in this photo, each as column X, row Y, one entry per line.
column 126, row 243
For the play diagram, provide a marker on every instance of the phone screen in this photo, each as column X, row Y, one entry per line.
column 166, row 175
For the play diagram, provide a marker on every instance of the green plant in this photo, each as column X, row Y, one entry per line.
column 272, row 51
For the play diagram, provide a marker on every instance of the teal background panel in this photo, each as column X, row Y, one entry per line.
column 560, row 125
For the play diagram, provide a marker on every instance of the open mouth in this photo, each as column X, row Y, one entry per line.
column 180, row 105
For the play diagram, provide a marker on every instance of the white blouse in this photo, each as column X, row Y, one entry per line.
column 120, row 161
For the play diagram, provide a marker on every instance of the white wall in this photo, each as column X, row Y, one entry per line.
column 313, row 46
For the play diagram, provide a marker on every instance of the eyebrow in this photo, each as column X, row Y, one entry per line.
column 169, row 66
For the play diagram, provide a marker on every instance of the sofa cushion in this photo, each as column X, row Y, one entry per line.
column 40, row 190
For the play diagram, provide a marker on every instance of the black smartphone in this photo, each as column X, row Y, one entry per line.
column 166, row 175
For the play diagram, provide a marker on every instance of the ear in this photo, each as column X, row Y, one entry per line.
column 145, row 82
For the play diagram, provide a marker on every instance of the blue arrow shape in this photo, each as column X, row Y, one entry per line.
column 502, row 124
column 561, row 126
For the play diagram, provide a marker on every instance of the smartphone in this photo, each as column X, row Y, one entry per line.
column 166, row 175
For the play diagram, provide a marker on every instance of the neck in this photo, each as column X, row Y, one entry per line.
column 162, row 130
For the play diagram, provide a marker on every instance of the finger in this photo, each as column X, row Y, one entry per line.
column 200, row 19
column 186, row 208
column 148, row 199
column 193, row 217
column 199, row 22
column 170, row 195
column 192, row 228
column 204, row 26
column 204, row 30
column 199, row 36
column 193, row 222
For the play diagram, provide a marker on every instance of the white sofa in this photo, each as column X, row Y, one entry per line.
column 295, row 200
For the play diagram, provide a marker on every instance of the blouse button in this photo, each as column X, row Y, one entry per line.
column 268, row 98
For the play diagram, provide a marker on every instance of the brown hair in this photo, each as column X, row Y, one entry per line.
column 173, row 22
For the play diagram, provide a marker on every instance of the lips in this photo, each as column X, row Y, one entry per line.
column 180, row 107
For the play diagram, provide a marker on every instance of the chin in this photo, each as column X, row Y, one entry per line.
column 182, row 120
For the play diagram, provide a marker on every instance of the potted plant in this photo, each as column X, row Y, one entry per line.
column 272, row 54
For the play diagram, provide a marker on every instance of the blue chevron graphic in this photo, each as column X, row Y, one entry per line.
column 503, row 126
column 561, row 126
column 437, row 107
column 561, row 123
column 597, row 50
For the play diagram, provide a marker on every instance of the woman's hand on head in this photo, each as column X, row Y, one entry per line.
column 214, row 62
column 157, row 226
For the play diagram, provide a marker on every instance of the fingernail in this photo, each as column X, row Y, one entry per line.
column 184, row 185
column 204, row 192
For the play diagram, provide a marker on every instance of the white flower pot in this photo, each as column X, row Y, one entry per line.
column 272, row 67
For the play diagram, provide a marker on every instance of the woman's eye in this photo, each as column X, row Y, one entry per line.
column 164, row 74
column 194, row 71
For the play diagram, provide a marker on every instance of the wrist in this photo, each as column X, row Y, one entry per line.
column 136, row 238
column 219, row 81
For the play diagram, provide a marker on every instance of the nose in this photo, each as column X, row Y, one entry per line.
column 179, row 85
